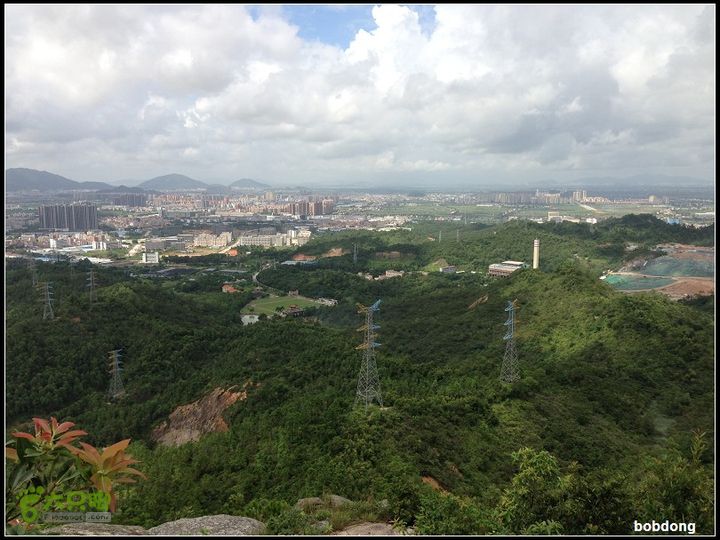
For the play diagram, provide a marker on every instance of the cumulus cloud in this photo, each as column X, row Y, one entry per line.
column 521, row 92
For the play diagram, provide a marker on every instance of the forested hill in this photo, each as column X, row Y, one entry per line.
column 473, row 247
column 612, row 387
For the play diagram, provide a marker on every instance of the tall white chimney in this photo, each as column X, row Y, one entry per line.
column 536, row 254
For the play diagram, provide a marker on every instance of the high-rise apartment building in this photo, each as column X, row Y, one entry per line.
column 73, row 217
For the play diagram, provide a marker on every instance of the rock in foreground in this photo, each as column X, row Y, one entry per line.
column 95, row 529
column 221, row 524
column 368, row 529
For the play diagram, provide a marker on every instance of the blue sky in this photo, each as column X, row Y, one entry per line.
column 334, row 25
column 338, row 24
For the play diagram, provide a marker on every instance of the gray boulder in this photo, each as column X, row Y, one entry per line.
column 368, row 529
column 221, row 524
column 336, row 501
column 309, row 503
column 95, row 529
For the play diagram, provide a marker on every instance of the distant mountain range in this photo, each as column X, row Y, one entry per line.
column 30, row 179
column 20, row 179
column 247, row 183
column 171, row 182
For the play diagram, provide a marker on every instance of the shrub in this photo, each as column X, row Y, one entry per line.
column 47, row 472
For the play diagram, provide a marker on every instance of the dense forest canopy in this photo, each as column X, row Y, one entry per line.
column 604, row 426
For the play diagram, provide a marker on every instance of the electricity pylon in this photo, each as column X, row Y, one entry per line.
column 48, row 299
column 354, row 254
column 91, row 287
column 510, row 372
column 33, row 271
column 116, row 386
column 368, row 387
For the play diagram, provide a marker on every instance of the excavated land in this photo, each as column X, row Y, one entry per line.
column 681, row 286
column 190, row 422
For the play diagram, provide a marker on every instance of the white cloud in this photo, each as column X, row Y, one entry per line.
column 102, row 91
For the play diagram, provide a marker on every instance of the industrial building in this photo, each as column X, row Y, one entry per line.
column 151, row 258
column 505, row 268
column 291, row 238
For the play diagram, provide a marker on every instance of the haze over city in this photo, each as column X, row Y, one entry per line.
column 453, row 96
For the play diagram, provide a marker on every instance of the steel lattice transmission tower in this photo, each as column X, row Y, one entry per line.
column 368, row 387
column 33, row 271
column 354, row 254
column 510, row 372
column 91, row 287
column 47, row 293
column 116, row 386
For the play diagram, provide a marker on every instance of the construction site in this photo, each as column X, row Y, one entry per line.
column 683, row 272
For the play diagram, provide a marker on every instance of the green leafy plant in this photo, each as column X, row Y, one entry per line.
column 45, row 465
column 109, row 467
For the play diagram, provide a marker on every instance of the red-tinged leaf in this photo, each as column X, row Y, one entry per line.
column 110, row 451
column 72, row 435
column 11, row 453
column 54, row 423
column 122, row 464
column 91, row 452
column 134, row 471
column 62, row 428
column 41, row 425
column 125, row 481
column 66, row 444
column 46, row 436
column 113, row 502
column 23, row 435
column 102, row 482
column 84, row 456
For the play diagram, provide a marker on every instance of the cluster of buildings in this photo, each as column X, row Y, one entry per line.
column 556, row 217
column 177, row 204
column 387, row 275
column 148, row 221
column 311, row 208
column 292, row 238
column 210, row 240
column 69, row 217
column 57, row 240
column 177, row 242
column 131, row 199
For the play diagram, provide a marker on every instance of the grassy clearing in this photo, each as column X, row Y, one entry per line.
column 269, row 305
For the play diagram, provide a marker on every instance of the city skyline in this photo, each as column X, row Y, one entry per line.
column 362, row 96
